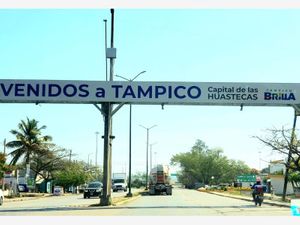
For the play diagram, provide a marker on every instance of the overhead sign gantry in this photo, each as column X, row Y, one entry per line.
column 111, row 92
column 173, row 93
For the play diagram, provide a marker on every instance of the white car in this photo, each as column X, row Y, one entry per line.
column 1, row 197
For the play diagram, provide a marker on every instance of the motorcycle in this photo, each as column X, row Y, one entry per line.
column 258, row 198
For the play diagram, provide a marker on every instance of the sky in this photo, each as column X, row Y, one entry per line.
column 195, row 45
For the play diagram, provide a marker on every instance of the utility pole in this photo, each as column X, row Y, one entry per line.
column 147, row 153
column 4, row 152
column 70, row 156
column 106, row 199
column 296, row 114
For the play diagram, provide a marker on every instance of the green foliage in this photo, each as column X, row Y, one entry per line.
column 94, row 174
column 294, row 177
column 29, row 141
column 138, row 180
column 3, row 166
column 207, row 166
column 71, row 174
column 47, row 162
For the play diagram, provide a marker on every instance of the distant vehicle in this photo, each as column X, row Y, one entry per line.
column 58, row 190
column 1, row 197
column 93, row 189
column 160, row 180
column 22, row 188
column 119, row 182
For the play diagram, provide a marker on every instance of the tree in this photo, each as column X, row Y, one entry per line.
column 72, row 174
column 48, row 161
column 4, row 167
column 29, row 141
column 281, row 141
column 138, row 180
column 2, row 163
column 206, row 165
column 294, row 178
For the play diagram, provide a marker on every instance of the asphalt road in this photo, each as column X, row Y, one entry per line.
column 182, row 203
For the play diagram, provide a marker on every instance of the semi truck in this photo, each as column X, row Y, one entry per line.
column 159, row 180
column 119, row 182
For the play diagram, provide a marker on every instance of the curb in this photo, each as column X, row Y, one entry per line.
column 282, row 204
column 127, row 199
column 123, row 200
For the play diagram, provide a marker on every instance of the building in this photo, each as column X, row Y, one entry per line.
column 276, row 177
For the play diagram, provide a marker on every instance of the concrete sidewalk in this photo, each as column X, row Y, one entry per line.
column 268, row 198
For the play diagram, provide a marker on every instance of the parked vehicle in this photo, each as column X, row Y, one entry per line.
column 159, row 180
column 93, row 189
column 1, row 197
column 119, row 182
column 58, row 190
column 23, row 188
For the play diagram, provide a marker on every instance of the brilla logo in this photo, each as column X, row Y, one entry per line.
column 279, row 94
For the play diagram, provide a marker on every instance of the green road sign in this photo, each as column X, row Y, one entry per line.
column 246, row 178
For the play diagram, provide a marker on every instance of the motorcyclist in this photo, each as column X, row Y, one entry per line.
column 255, row 187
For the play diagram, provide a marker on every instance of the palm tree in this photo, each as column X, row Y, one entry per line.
column 29, row 141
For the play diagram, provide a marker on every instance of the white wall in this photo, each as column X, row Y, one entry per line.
column 277, row 181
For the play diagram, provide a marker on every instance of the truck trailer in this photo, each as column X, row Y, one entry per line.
column 159, row 180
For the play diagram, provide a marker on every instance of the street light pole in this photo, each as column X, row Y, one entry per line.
column 155, row 158
column 88, row 161
column 129, row 194
column 147, row 128
column 151, row 154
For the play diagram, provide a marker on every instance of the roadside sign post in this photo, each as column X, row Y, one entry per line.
column 246, row 178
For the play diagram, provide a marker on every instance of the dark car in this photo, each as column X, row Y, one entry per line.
column 1, row 197
column 94, row 189
column 23, row 188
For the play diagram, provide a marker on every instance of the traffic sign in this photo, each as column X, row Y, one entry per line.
column 246, row 178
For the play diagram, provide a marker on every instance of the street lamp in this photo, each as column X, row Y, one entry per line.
column 129, row 194
column 88, row 162
column 147, row 128
column 151, row 154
